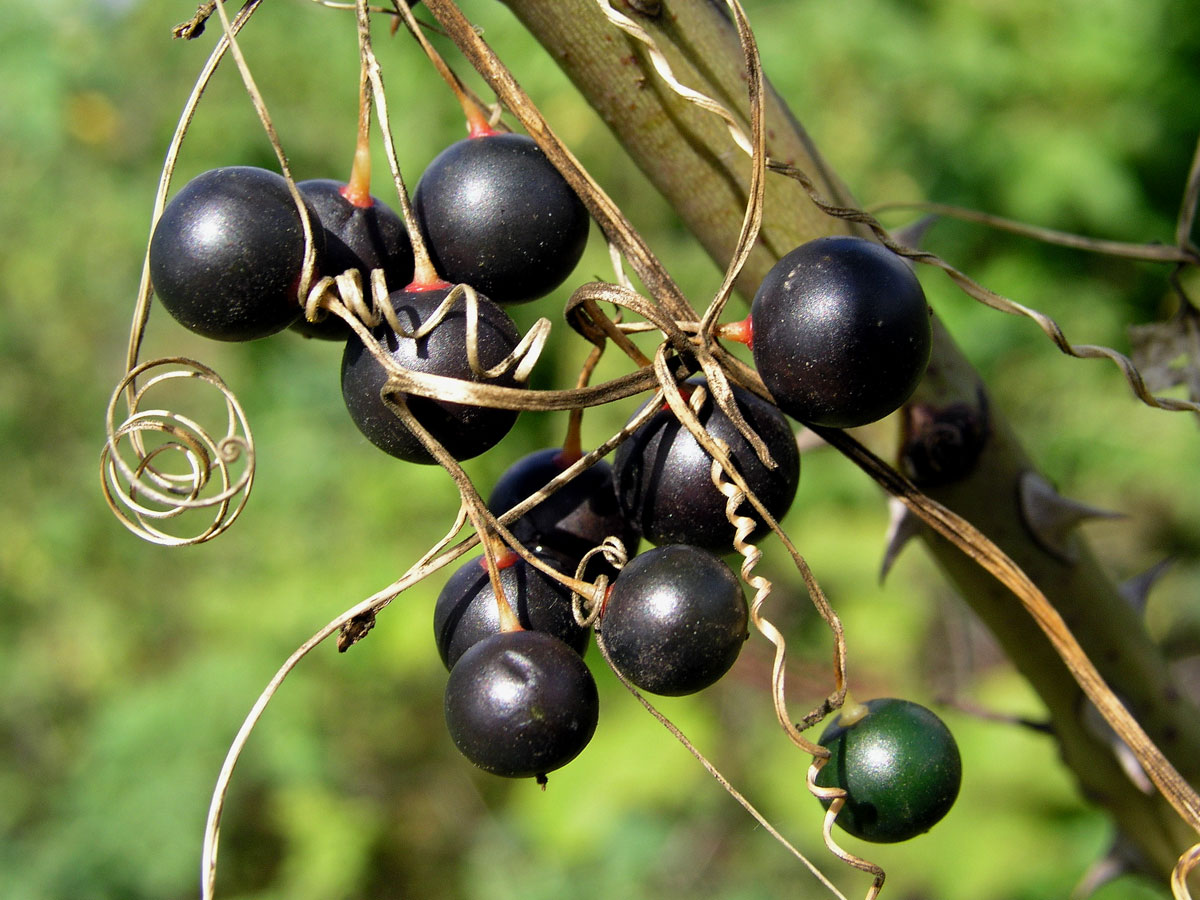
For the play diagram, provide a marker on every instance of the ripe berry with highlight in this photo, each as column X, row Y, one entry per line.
column 498, row 216
column 842, row 332
column 227, row 254
column 521, row 704
column 675, row 620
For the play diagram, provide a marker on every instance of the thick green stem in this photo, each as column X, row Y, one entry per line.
column 690, row 157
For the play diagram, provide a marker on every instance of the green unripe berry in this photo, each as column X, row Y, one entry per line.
column 899, row 766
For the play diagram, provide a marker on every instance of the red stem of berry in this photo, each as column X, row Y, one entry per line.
column 503, row 557
column 685, row 392
column 358, row 189
column 570, row 454
column 426, row 279
column 739, row 332
column 477, row 123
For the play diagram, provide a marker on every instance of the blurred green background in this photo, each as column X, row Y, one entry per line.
column 127, row 668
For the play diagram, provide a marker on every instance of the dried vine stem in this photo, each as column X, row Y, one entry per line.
column 419, row 571
column 754, row 146
column 129, row 487
column 837, row 799
column 1162, row 253
column 422, row 261
column 715, row 773
column 520, row 360
column 1182, row 871
column 349, row 304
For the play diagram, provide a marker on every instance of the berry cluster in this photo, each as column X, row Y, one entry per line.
column 839, row 332
column 227, row 261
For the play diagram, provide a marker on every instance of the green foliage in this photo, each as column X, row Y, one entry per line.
column 127, row 668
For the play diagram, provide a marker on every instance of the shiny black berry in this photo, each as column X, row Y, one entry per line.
column 674, row 620
column 227, row 254
column 572, row 520
column 521, row 704
column 900, row 767
column 498, row 216
column 664, row 477
column 842, row 332
column 362, row 237
column 466, row 610
column 464, row 430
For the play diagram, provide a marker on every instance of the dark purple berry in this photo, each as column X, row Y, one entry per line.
column 842, row 332
column 356, row 237
column 227, row 254
column 464, row 430
column 674, row 620
column 572, row 520
column 521, row 704
column 498, row 216
column 466, row 610
column 664, row 477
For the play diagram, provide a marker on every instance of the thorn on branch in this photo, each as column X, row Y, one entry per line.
column 903, row 526
column 1126, row 758
column 1052, row 518
column 1136, row 590
column 1122, row 858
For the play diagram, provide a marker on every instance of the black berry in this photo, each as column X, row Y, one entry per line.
column 521, row 704
column 498, row 216
column 227, row 254
column 900, row 768
column 464, row 430
column 674, row 620
column 664, row 477
column 466, row 610
column 356, row 237
column 842, row 332
column 572, row 520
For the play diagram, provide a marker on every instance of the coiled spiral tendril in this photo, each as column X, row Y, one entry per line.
column 142, row 480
